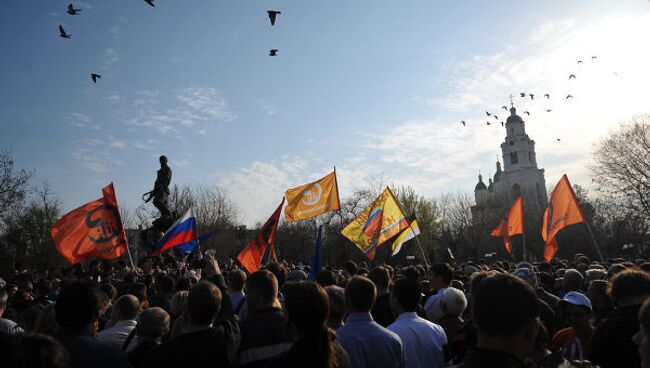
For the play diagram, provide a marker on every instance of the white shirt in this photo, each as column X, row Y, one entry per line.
column 117, row 334
column 423, row 341
column 432, row 306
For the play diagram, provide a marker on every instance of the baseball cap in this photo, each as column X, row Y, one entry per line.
column 576, row 298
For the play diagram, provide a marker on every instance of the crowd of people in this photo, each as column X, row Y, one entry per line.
column 171, row 312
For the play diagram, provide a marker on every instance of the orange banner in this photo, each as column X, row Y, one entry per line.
column 513, row 224
column 312, row 199
column 93, row 230
column 563, row 210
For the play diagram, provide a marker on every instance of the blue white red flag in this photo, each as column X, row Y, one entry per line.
column 182, row 234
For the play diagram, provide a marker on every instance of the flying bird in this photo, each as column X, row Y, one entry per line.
column 272, row 15
column 487, row 122
column 580, row 61
column 504, row 107
column 557, row 139
column 72, row 10
column 94, row 77
column 527, row 113
column 502, row 124
column 462, row 122
column 548, row 110
column 532, row 96
column 273, row 52
column 594, row 57
column 496, row 117
column 572, row 76
column 523, row 94
column 615, row 74
column 487, row 113
column 568, row 97
column 150, row 2
column 62, row 32
column 547, row 95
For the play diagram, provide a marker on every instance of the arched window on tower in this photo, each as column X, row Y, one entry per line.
column 513, row 158
column 516, row 191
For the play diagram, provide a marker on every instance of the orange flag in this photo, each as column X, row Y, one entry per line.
column 251, row 256
column 93, row 230
column 513, row 224
column 563, row 210
column 312, row 199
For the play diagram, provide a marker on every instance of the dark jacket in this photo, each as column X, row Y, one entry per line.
column 483, row 358
column 88, row 352
column 302, row 353
column 204, row 348
column 612, row 344
column 138, row 356
column 264, row 335
column 381, row 311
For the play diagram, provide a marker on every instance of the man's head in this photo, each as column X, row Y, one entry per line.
column 77, row 306
column 381, row 277
column 153, row 324
column 577, row 310
column 597, row 292
column 126, row 308
column 236, row 280
column 203, row 303
column 163, row 160
column 528, row 275
column 630, row 287
column 405, row 295
column 453, row 302
column 440, row 275
column 360, row 294
column 572, row 280
column 505, row 310
column 306, row 306
column 261, row 290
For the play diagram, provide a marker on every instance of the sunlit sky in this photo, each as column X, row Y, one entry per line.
column 377, row 88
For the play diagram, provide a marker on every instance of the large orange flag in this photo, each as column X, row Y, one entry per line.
column 93, row 230
column 513, row 224
column 563, row 210
column 312, row 199
column 251, row 256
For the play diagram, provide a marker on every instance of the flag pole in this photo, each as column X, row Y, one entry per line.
column 524, row 238
column 593, row 238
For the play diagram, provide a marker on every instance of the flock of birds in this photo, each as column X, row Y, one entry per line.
column 95, row 76
column 527, row 95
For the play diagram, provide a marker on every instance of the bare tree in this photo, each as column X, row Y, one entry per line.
column 14, row 184
column 622, row 164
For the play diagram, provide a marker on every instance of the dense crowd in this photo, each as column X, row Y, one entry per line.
column 171, row 312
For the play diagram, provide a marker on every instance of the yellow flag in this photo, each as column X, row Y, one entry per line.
column 379, row 222
column 312, row 199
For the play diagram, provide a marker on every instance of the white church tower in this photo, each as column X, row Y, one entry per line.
column 519, row 176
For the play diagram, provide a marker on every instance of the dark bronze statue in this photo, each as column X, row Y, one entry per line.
column 160, row 191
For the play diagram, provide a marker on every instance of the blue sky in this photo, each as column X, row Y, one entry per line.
column 376, row 88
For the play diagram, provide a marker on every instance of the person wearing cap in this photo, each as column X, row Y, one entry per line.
column 575, row 340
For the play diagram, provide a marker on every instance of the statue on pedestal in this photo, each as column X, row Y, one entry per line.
column 160, row 195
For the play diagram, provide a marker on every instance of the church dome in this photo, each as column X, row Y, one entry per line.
column 513, row 118
column 497, row 175
column 480, row 185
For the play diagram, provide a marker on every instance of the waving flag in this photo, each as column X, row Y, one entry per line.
column 563, row 210
column 513, row 224
column 312, row 199
column 93, row 230
column 409, row 233
column 316, row 261
column 251, row 256
column 181, row 234
column 380, row 221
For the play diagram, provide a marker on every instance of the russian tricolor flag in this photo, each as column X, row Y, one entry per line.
column 182, row 234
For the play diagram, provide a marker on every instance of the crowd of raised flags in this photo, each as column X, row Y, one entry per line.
column 95, row 229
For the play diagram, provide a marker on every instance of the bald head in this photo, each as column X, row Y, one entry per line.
column 153, row 324
column 126, row 308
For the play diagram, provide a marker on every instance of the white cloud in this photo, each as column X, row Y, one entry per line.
column 267, row 108
column 147, row 145
column 80, row 120
column 116, row 143
column 207, row 101
column 110, row 57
